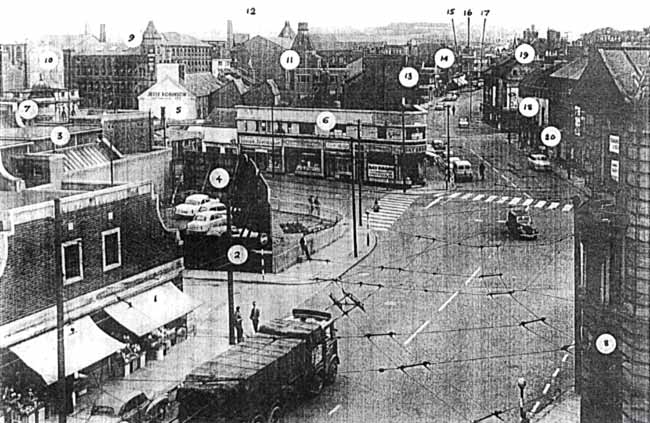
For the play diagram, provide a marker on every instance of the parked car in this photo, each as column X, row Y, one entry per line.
column 450, row 97
column 463, row 122
column 520, row 224
column 462, row 170
column 439, row 107
column 214, row 205
column 113, row 409
column 191, row 205
column 538, row 161
column 438, row 146
column 207, row 220
column 431, row 154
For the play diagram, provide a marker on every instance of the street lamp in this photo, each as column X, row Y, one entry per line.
column 521, row 382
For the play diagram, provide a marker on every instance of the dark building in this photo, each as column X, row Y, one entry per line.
column 13, row 67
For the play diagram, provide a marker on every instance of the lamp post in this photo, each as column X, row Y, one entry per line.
column 523, row 418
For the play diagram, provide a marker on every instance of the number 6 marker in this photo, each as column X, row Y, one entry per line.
column 326, row 121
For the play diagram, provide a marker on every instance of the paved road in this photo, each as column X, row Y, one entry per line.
column 458, row 294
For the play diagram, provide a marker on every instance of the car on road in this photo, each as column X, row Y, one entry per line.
column 438, row 145
column 463, row 122
column 206, row 221
column 520, row 224
column 114, row 409
column 462, row 170
column 214, row 205
column 191, row 205
column 539, row 161
column 431, row 154
column 450, row 97
column 439, row 107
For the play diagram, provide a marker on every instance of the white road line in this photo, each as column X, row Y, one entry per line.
column 535, row 407
column 380, row 229
column 478, row 197
column 514, row 201
column 546, row 388
column 528, row 202
column 420, row 329
column 540, row 204
column 478, row 269
column 439, row 194
column 456, row 195
column 491, row 198
column 565, row 358
column 466, row 196
column 556, row 372
column 334, row 410
column 528, row 195
column 434, row 202
column 553, row 206
column 567, row 207
column 502, row 200
column 442, row 307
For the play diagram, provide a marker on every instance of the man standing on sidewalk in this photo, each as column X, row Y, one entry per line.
column 255, row 316
column 238, row 325
column 481, row 170
column 304, row 248
column 317, row 206
column 311, row 204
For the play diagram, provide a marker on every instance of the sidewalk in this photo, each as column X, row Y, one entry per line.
column 564, row 410
column 297, row 284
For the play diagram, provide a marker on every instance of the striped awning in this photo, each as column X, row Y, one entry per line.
column 84, row 157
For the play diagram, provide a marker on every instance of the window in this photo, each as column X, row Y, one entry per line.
column 578, row 121
column 307, row 128
column 72, row 261
column 111, row 249
column 604, row 287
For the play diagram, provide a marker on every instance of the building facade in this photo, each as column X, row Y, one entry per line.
column 14, row 73
column 388, row 146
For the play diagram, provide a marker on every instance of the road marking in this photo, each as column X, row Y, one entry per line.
column 434, row 202
column 466, row 196
column 527, row 202
column 442, row 307
column 556, row 372
column 420, row 329
column 502, row 200
column 439, row 194
column 491, row 198
column 535, row 407
column 478, row 269
column 334, row 410
column 546, row 388
column 553, row 206
column 478, row 220
column 456, row 195
column 528, row 195
column 567, row 207
column 514, row 201
column 565, row 358
column 478, row 197
column 540, row 204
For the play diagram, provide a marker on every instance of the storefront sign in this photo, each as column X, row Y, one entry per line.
column 302, row 144
column 614, row 168
column 337, row 146
column 256, row 141
column 379, row 171
column 614, row 143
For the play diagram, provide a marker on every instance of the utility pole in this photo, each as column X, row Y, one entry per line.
column 231, row 283
column 60, row 321
column 354, row 212
column 272, row 141
column 523, row 418
column 360, row 174
column 403, row 147
column 448, row 173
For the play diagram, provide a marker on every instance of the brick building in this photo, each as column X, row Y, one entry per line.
column 14, row 74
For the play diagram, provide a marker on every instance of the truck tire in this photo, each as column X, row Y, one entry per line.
column 276, row 415
column 332, row 373
column 316, row 385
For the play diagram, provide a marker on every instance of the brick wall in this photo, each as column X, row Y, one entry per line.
column 27, row 284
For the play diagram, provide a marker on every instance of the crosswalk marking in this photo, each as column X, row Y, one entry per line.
column 434, row 202
column 473, row 196
column 456, row 195
column 466, row 196
column 502, row 200
column 553, row 206
column 514, row 201
column 540, row 204
column 478, row 197
column 391, row 207
column 491, row 198
column 528, row 202
column 567, row 207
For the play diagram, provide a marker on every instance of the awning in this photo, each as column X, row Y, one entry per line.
column 152, row 309
column 85, row 344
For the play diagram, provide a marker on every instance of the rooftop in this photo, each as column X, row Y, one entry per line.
column 32, row 133
column 201, row 84
column 572, row 70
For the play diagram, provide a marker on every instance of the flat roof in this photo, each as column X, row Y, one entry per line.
column 43, row 132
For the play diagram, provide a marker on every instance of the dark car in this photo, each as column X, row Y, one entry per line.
column 115, row 408
column 520, row 224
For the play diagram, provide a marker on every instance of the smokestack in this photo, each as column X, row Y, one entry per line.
column 302, row 27
column 102, row 33
column 229, row 40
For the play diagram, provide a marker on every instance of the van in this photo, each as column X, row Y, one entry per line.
column 462, row 171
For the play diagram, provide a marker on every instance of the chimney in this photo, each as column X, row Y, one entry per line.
column 229, row 40
column 302, row 27
column 102, row 33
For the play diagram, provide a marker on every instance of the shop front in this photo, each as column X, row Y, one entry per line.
column 304, row 158
column 262, row 151
column 338, row 163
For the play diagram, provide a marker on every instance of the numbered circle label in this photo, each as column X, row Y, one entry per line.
column 289, row 59
column 551, row 136
column 529, row 107
column 133, row 39
column 219, row 178
column 606, row 343
column 409, row 77
column 444, row 58
column 525, row 54
column 178, row 109
column 237, row 254
column 326, row 121
column 60, row 135
column 48, row 59
column 28, row 109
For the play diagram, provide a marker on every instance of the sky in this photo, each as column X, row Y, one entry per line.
column 35, row 18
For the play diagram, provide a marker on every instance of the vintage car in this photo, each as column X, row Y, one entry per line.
column 538, row 161
column 191, row 205
column 520, row 224
column 205, row 221
column 462, row 170
column 116, row 409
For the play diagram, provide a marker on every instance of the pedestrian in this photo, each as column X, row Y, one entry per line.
column 238, row 325
column 255, row 316
column 375, row 207
column 311, row 204
column 453, row 110
column 481, row 170
column 317, row 206
column 304, row 248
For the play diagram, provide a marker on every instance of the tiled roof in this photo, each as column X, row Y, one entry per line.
column 241, row 87
column 176, row 39
column 201, row 83
column 285, row 43
column 625, row 67
column 572, row 70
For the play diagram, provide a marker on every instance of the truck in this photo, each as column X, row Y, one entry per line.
column 258, row 379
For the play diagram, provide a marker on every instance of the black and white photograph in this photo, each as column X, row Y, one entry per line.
column 313, row 212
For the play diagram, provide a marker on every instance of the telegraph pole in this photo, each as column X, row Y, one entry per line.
column 360, row 174
column 448, row 173
column 272, row 141
column 354, row 212
column 60, row 321
column 403, row 146
column 231, row 282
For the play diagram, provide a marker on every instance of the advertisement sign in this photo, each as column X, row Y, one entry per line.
column 614, row 168
column 614, row 143
column 379, row 171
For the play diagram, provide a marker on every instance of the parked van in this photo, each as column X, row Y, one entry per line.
column 462, row 170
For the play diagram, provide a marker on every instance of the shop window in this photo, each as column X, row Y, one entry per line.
column 578, row 121
column 307, row 128
column 381, row 132
column 111, row 249
column 72, row 261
